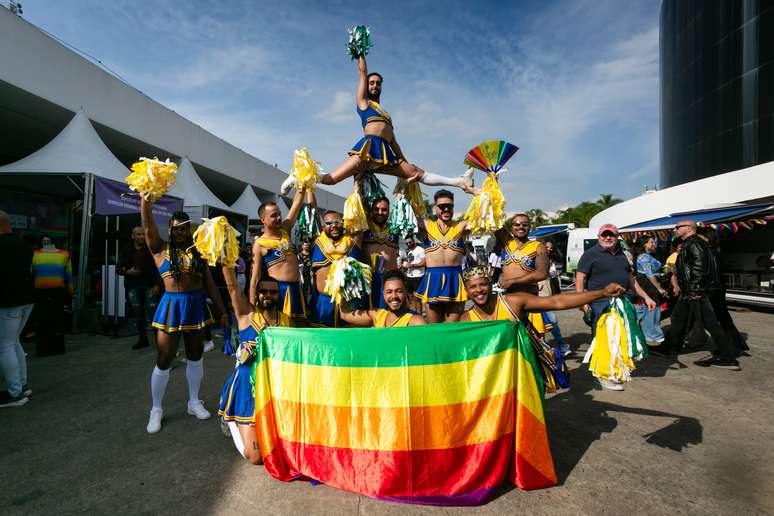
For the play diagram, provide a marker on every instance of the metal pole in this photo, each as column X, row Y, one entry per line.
column 88, row 194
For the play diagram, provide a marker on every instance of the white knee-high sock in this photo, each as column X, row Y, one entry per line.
column 431, row 179
column 159, row 380
column 194, row 372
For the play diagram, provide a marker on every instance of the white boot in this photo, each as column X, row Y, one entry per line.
column 287, row 184
column 465, row 181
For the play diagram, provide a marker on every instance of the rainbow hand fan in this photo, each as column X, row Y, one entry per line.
column 490, row 156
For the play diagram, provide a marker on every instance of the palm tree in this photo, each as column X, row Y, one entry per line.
column 538, row 217
column 607, row 200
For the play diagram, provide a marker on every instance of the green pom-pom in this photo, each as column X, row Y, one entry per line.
column 307, row 224
column 359, row 41
column 402, row 220
column 370, row 189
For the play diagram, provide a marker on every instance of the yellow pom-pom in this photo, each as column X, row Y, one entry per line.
column 355, row 220
column 414, row 195
column 486, row 212
column 305, row 169
column 152, row 178
column 217, row 242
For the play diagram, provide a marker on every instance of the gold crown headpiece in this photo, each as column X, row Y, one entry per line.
column 479, row 271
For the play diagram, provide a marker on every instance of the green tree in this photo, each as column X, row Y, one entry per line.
column 538, row 217
column 605, row 201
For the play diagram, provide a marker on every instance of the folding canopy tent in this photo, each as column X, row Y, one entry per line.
column 248, row 202
column 70, row 163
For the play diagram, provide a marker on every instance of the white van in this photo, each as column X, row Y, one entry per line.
column 579, row 241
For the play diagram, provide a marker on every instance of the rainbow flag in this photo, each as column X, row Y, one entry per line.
column 440, row 414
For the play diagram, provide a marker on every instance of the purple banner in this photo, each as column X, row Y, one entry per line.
column 114, row 198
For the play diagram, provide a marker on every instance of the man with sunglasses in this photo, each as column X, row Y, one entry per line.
column 698, row 277
column 603, row 264
column 441, row 289
column 331, row 245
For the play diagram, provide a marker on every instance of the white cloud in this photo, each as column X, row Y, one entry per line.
column 340, row 110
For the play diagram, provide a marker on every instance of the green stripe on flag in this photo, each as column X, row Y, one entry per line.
column 389, row 347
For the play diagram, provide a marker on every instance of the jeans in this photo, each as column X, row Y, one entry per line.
column 13, row 361
column 140, row 300
column 597, row 307
column 700, row 311
column 650, row 321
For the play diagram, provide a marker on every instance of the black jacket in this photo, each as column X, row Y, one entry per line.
column 697, row 268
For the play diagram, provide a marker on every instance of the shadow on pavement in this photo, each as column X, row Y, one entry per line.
column 577, row 420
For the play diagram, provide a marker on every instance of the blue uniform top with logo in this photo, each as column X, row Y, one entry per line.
column 325, row 312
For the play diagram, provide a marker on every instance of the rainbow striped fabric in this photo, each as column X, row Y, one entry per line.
column 440, row 414
column 52, row 269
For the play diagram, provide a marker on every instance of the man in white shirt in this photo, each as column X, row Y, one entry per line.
column 412, row 262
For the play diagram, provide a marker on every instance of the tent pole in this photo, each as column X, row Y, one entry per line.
column 88, row 195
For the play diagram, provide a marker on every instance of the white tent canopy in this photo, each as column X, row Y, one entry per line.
column 78, row 149
column 247, row 203
column 749, row 185
column 192, row 189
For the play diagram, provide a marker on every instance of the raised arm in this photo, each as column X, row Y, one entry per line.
column 295, row 208
column 255, row 273
column 310, row 198
column 239, row 301
column 363, row 318
column 152, row 238
column 361, row 97
column 561, row 301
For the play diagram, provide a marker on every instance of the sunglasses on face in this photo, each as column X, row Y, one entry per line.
column 608, row 234
column 682, row 226
column 520, row 224
column 445, row 207
column 330, row 223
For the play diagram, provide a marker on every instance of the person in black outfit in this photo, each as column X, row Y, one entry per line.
column 718, row 297
column 141, row 281
column 699, row 279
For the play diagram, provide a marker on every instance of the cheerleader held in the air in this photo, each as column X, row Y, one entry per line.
column 378, row 150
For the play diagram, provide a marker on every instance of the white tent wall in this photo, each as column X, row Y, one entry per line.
column 247, row 203
column 749, row 185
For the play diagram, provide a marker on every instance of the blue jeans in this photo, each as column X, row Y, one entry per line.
column 141, row 301
column 650, row 321
column 13, row 361
column 597, row 307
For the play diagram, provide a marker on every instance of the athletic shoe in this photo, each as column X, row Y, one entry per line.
column 6, row 400
column 707, row 361
column 465, row 181
column 26, row 391
column 197, row 409
column 287, row 185
column 565, row 350
column 154, row 421
column 209, row 346
column 610, row 385
column 140, row 344
column 724, row 363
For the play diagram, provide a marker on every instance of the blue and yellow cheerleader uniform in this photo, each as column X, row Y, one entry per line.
column 552, row 368
column 525, row 257
column 380, row 321
column 237, row 400
column 324, row 312
column 278, row 250
column 374, row 150
column 443, row 284
column 181, row 311
column 375, row 235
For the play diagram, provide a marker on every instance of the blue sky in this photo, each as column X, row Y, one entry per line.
column 573, row 83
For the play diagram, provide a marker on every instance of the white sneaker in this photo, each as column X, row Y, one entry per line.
column 154, row 421
column 466, row 179
column 610, row 385
column 197, row 409
column 287, row 184
column 209, row 346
